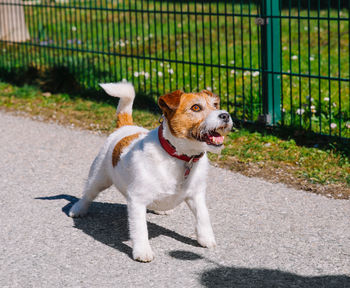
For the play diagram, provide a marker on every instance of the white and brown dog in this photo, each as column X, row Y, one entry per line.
column 159, row 169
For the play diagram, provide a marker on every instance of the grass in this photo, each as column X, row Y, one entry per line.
column 196, row 49
column 323, row 170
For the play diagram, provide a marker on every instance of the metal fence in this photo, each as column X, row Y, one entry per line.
column 280, row 62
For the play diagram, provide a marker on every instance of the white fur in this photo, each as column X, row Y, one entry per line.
column 149, row 178
column 123, row 90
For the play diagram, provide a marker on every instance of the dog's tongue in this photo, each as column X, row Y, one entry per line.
column 216, row 138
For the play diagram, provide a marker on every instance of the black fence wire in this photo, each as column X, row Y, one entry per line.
column 278, row 62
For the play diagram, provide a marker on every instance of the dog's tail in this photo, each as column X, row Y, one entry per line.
column 126, row 92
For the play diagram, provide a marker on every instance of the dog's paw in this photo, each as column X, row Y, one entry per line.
column 79, row 209
column 158, row 212
column 144, row 254
column 207, row 242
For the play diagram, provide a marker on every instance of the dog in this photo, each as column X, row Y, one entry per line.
column 161, row 168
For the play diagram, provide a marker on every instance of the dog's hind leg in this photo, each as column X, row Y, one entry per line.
column 97, row 182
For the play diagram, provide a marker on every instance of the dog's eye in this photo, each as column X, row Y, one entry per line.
column 216, row 105
column 196, row 108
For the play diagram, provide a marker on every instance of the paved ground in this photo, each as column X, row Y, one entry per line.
column 268, row 235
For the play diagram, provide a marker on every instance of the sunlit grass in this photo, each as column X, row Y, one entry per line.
column 252, row 153
column 180, row 45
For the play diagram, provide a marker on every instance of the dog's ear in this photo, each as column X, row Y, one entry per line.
column 170, row 102
column 211, row 94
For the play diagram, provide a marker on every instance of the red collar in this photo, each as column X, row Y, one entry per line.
column 171, row 149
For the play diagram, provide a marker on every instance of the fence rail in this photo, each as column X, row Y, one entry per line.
column 283, row 62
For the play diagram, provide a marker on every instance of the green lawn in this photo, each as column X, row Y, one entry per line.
column 91, row 41
column 323, row 169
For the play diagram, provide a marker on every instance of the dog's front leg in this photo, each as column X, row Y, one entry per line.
column 204, row 231
column 138, row 232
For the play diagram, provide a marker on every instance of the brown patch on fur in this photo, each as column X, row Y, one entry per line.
column 184, row 123
column 118, row 148
column 170, row 102
column 124, row 119
column 211, row 94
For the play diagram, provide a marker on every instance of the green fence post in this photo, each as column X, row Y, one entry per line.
column 271, row 61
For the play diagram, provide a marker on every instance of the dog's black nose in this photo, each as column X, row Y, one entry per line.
column 225, row 117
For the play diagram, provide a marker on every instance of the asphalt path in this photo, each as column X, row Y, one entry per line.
column 268, row 235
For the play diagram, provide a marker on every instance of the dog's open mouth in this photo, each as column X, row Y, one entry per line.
column 213, row 138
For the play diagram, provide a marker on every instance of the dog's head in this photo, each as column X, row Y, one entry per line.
column 196, row 118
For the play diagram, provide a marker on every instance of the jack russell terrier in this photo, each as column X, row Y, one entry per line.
column 161, row 168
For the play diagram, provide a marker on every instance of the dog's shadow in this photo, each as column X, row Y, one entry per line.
column 108, row 223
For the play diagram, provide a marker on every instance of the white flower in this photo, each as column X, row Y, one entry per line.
column 124, row 80
column 312, row 58
column 161, row 64
column 232, row 71
column 136, row 74
column 294, row 57
column 347, row 125
column 150, row 35
column 326, row 99
column 160, row 73
column 312, row 107
column 334, row 104
column 255, row 73
column 308, row 98
column 74, row 28
column 122, row 44
column 146, row 75
column 283, row 110
column 300, row 111
column 285, row 48
column 232, row 62
column 305, row 28
column 138, row 38
column 209, row 88
column 246, row 73
column 333, row 125
column 171, row 71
